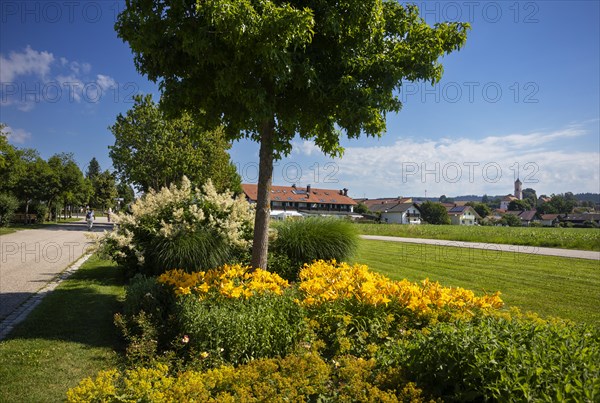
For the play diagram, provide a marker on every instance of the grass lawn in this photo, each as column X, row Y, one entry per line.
column 68, row 337
column 547, row 285
column 18, row 227
column 566, row 238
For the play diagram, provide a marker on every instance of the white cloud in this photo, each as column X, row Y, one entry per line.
column 471, row 166
column 18, row 136
column 57, row 79
column 105, row 82
column 27, row 62
column 305, row 148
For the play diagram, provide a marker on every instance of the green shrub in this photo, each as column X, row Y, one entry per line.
column 284, row 266
column 8, row 206
column 316, row 238
column 146, row 322
column 499, row 359
column 238, row 330
column 41, row 211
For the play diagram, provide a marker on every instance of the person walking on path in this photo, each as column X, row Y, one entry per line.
column 89, row 218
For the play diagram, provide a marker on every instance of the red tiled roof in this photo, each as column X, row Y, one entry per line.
column 385, row 200
column 298, row 194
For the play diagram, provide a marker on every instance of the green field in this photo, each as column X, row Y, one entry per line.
column 550, row 286
column 68, row 337
column 566, row 238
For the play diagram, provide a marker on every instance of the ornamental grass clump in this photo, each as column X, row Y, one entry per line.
column 315, row 238
column 180, row 227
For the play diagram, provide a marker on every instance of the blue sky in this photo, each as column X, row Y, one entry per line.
column 520, row 99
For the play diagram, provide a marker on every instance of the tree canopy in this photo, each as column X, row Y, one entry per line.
column 272, row 70
column 93, row 169
column 153, row 150
column 434, row 213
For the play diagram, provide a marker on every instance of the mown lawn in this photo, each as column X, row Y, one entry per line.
column 566, row 238
column 17, row 227
column 550, row 286
column 68, row 337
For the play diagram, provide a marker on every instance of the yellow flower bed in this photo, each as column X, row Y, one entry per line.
column 295, row 378
column 232, row 281
column 324, row 281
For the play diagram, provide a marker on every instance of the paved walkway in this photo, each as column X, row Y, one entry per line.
column 33, row 258
column 532, row 250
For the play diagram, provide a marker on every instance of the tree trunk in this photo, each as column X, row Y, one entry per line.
column 260, row 246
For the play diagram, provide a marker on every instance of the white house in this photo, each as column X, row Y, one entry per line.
column 400, row 213
column 463, row 215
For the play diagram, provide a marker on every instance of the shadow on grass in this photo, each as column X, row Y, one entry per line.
column 80, row 310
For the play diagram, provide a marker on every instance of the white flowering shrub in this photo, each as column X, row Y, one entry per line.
column 180, row 227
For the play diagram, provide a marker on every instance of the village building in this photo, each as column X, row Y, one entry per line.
column 518, row 195
column 399, row 213
column 289, row 201
column 549, row 220
column 463, row 215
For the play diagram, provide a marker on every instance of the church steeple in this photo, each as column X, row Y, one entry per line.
column 518, row 189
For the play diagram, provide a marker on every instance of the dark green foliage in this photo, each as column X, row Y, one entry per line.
column 498, row 359
column 146, row 324
column 316, row 238
column 8, row 206
column 434, row 213
column 281, row 264
column 200, row 250
column 238, row 330
column 511, row 220
column 41, row 211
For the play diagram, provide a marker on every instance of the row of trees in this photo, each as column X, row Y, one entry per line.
column 32, row 184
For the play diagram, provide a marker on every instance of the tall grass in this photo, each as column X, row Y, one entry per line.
column 316, row 238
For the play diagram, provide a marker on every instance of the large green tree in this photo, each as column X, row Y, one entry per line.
column 93, row 169
column 153, row 150
column 271, row 70
column 104, row 191
column 434, row 213
column 519, row 205
column 67, row 182
column 125, row 193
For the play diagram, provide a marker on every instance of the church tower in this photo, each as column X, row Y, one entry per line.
column 518, row 189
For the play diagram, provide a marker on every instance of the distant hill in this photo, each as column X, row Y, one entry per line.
column 593, row 197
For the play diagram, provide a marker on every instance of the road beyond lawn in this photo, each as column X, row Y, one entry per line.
column 31, row 258
column 532, row 250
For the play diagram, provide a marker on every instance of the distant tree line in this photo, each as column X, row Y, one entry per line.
column 47, row 189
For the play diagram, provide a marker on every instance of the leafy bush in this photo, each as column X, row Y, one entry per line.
column 146, row 322
column 316, row 238
column 295, row 378
column 8, row 206
column 237, row 330
column 180, row 227
column 41, row 211
column 499, row 359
